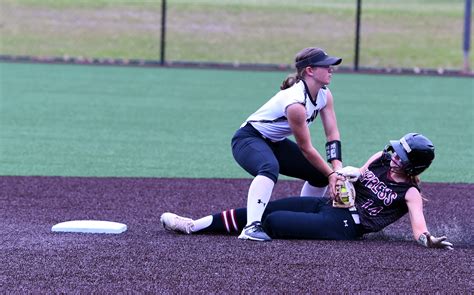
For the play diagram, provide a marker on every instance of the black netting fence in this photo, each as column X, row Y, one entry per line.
column 416, row 34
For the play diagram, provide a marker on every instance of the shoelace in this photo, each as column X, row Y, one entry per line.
column 256, row 227
column 184, row 224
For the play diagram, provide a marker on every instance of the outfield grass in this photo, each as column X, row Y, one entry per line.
column 157, row 122
column 419, row 33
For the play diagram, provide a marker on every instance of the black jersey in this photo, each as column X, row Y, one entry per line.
column 379, row 200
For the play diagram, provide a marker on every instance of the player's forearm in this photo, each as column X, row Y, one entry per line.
column 336, row 164
column 316, row 160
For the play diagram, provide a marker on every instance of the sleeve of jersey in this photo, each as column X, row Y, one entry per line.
column 292, row 95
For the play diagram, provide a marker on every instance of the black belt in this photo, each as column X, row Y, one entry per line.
column 250, row 126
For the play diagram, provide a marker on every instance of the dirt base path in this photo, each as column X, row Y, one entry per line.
column 146, row 258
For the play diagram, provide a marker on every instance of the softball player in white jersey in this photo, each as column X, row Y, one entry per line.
column 261, row 145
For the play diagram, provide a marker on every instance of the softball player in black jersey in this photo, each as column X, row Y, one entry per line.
column 386, row 189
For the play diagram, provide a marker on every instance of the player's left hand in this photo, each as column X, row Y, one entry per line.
column 427, row 240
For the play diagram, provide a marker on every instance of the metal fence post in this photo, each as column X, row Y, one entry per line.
column 467, row 35
column 163, row 32
column 357, row 36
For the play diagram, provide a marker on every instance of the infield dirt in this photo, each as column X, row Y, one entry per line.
column 146, row 258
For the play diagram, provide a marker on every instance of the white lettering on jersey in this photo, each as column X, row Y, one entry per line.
column 372, row 210
column 378, row 187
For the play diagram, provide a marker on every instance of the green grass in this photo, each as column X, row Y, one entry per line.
column 66, row 4
column 418, row 33
column 157, row 122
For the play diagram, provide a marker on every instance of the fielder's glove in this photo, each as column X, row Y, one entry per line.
column 345, row 197
column 350, row 173
column 427, row 240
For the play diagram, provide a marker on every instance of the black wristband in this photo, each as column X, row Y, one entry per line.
column 330, row 174
column 333, row 150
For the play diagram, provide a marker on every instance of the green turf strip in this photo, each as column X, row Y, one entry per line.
column 156, row 122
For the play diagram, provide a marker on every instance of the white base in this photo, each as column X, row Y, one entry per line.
column 90, row 226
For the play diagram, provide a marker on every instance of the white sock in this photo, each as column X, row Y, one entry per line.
column 259, row 194
column 201, row 223
column 312, row 191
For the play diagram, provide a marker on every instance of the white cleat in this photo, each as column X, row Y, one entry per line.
column 173, row 222
column 254, row 232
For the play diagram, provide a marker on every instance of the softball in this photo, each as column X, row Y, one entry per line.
column 344, row 195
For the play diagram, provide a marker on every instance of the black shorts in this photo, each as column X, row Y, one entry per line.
column 260, row 156
column 309, row 218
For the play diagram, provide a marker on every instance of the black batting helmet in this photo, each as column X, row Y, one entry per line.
column 415, row 151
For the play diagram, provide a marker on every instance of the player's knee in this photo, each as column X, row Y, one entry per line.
column 270, row 170
column 273, row 177
column 270, row 174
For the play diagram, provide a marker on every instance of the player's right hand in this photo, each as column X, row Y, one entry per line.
column 335, row 183
column 350, row 173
